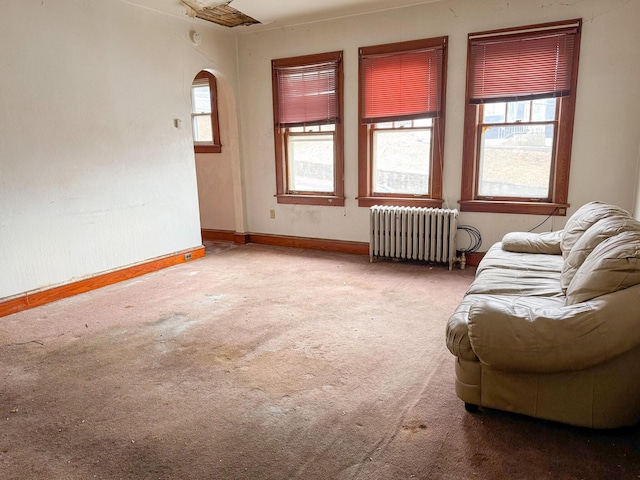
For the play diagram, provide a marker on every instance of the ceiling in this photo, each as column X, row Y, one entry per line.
column 284, row 12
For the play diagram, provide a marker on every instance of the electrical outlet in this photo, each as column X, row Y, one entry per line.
column 272, row 213
column 187, row 256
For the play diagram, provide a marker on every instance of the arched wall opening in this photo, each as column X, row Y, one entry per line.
column 218, row 175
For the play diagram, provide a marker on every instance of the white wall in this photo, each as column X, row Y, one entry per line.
column 605, row 153
column 93, row 174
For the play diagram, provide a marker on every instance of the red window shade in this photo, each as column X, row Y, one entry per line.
column 402, row 85
column 521, row 66
column 307, row 94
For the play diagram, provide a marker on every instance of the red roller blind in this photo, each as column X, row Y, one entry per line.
column 402, row 85
column 521, row 66
column 307, row 94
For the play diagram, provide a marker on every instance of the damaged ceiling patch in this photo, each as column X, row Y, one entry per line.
column 223, row 14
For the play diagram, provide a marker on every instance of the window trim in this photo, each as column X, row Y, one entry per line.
column 282, row 195
column 557, row 204
column 366, row 196
column 215, row 146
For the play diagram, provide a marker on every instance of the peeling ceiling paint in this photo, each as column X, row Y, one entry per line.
column 281, row 12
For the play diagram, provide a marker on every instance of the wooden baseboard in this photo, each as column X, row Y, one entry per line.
column 358, row 248
column 241, row 238
column 37, row 298
column 473, row 258
column 343, row 246
column 224, row 235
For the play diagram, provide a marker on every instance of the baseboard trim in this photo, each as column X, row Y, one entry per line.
column 473, row 258
column 224, row 235
column 241, row 238
column 342, row 246
column 41, row 297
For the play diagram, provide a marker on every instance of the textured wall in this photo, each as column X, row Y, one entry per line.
column 93, row 173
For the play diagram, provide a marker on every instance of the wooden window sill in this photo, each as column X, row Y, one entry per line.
column 400, row 202
column 526, row 208
column 299, row 199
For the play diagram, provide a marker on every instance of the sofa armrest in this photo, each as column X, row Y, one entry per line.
column 517, row 338
column 458, row 332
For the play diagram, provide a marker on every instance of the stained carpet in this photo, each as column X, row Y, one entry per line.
column 260, row 362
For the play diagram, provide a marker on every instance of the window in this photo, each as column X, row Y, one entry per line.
column 521, row 86
column 401, row 130
column 204, row 114
column 308, row 129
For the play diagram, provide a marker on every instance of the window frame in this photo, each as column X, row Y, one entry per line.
column 557, row 202
column 283, row 194
column 215, row 146
column 366, row 195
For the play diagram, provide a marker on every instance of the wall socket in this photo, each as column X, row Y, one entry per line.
column 272, row 213
column 187, row 256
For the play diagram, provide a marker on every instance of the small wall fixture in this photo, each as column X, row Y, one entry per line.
column 195, row 38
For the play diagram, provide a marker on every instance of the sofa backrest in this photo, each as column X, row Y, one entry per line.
column 596, row 234
column 584, row 218
column 612, row 265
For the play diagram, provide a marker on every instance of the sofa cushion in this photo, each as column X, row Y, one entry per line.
column 584, row 218
column 499, row 258
column 594, row 236
column 529, row 242
column 613, row 265
column 512, row 282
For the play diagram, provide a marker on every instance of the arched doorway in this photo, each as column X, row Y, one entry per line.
column 218, row 169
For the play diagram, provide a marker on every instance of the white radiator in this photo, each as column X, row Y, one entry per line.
column 413, row 233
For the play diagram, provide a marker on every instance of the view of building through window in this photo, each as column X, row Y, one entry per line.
column 516, row 148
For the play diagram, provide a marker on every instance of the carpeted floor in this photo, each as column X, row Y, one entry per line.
column 260, row 362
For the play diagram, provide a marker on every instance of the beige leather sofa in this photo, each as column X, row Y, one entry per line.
column 550, row 327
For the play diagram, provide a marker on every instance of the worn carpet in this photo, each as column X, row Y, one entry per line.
column 260, row 362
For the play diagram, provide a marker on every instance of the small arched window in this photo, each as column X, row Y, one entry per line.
column 204, row 114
